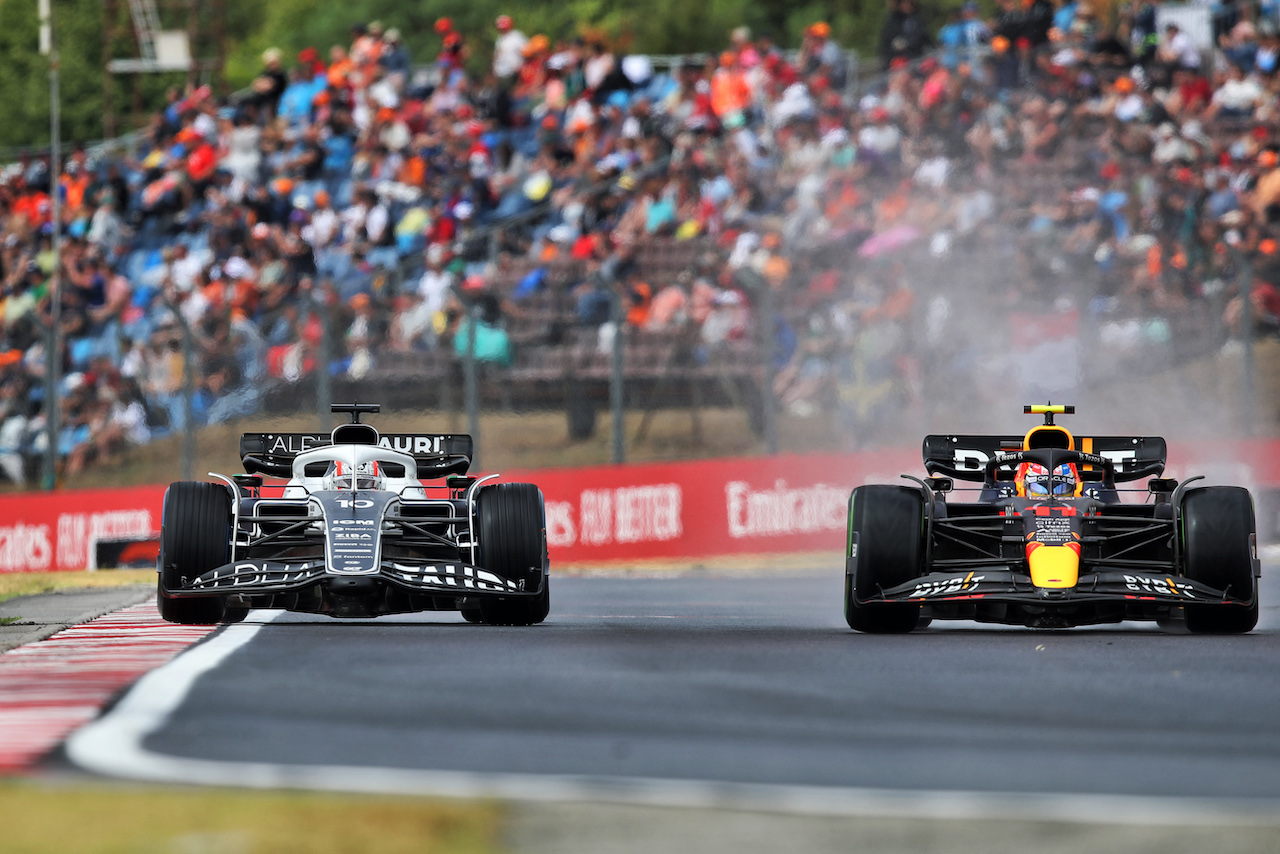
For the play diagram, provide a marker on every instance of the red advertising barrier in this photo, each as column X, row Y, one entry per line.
column 43, row 531
column 611, row 514
column 706, row 508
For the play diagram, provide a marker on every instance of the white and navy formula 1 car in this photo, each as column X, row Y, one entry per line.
column 356, row 530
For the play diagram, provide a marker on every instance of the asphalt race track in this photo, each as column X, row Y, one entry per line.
column 718, row 690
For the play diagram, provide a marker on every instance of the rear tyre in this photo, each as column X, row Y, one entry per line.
column 195, row 536
column 513, row 543
column 1217, row 551
column 887, row 524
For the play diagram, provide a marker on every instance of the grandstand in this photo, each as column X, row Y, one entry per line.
column 1042, row 207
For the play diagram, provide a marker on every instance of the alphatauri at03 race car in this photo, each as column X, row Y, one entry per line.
column 1048, row 542
column 354, row 532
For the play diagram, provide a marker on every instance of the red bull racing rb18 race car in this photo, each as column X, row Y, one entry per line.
column 356, row 530
column 1047, row 541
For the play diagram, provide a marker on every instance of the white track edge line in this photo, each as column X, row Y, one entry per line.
column 112, row 746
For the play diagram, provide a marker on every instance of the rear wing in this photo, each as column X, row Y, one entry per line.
column 436, row 454
column 964, row 457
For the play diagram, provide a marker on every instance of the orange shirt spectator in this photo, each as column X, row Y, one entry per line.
column 730, row 92
column 638, row 309
column 414, row 172
column 340, row 65
column 75, row 182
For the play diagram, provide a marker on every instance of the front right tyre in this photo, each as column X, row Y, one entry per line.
column 885, row 549
column 195, row 537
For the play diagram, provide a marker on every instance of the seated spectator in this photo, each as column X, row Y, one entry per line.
column 1177, row 49
column 1265, row 305
column 728, row 321
column 412, row 327
column 365, row 336
column 491, row 343
column 119, row 423
column 880, row 140
column 804, row 383
column 225, row 396
column 1237, row 97
column 14, row 422
column 14, row 448
column 269, row 85
column 594, row 298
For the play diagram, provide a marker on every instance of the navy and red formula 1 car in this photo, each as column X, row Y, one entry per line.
column 1047, row 541
column 356, row 531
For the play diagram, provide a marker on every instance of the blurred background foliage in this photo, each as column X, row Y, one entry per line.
column 251, row 26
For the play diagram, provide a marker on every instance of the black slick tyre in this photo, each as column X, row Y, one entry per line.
column 886, row 548
column 195, row 533
column 511, row 523
column 1217, row 528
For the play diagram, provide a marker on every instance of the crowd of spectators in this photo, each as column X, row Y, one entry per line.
column 1009, row 175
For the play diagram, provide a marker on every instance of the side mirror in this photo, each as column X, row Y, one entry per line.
column 940, row 484
column 459, row 483
column 1160, row 485
column 1093, row 475
column 249, row 484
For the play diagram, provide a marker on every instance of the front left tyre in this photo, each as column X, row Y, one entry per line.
column 195, row 537
column 1217, row 529
column 512, row 534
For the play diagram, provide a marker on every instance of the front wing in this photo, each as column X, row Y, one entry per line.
column 1001, row 584
column 261, row 577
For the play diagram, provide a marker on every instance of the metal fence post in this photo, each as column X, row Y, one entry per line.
column 324, row 383
column 616, row 389
column 471, row 390
column 768, row 338
column 54, row 366
column 1246, row 358
column 188, row 401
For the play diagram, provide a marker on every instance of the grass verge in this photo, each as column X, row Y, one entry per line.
column 55, row 818
column 33, row 583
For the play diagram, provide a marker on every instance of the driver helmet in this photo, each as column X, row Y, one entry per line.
column 1034, row 480
column 347, row 476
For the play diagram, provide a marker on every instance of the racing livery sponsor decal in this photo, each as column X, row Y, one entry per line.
column 1052, row 530
column 292, row 444
column 256, row 573
column 456, row 576
column 352, row 522
column 1157, row 586
column 946, row 587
